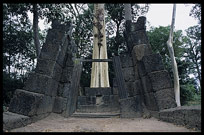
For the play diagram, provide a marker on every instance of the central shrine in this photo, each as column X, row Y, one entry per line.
column 99, row 72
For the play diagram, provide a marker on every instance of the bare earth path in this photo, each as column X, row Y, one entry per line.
column 57, row 123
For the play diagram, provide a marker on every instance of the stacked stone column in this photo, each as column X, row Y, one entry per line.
column 148, row 84
column 156, row 83
column 40, row 96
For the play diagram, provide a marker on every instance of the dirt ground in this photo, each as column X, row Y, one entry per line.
column 57, row 123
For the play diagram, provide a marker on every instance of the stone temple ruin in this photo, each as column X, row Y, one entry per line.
column 141, row 87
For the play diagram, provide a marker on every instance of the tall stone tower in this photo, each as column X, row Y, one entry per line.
column 99, row 72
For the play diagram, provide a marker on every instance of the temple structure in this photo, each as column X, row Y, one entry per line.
column 141, row 87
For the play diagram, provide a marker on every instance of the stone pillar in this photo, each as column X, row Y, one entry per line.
column 99, row 73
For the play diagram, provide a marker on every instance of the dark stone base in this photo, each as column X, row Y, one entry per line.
column 30, row 103
column 93, row 104
column 97, row 91
column 59, row 105
column 189, row 116
column 13, row 120
column 131, row 107
column 97, row 108
column 25, row 103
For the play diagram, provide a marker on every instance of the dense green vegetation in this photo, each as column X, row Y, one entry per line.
column 19, row 52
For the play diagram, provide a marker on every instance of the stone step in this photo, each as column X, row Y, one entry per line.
column 97, row 108
column 96, row 115
column 97, row 91
column 94, row 100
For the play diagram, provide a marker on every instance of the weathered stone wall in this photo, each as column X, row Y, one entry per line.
column 146, row 80
column 189, row 116
column 47, row 89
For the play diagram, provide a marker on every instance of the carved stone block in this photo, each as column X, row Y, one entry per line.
column 153, row 63
column 160, row 80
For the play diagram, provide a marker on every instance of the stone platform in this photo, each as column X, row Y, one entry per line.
column 13, row 120
column 97, row 100
column 96, row 115
column 188, row 116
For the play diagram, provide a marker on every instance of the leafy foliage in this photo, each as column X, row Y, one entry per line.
column 157, row 38
column 9, row 86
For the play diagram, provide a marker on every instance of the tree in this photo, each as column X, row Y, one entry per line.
column 99, row 72
column 18, row 51
column 173, row 60
column 193, row 51
column 196, row 12
column 128, row 14
column 17, row 38
column 35, row 29
column 116, row 25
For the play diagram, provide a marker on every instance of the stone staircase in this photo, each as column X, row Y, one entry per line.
column 97, row 103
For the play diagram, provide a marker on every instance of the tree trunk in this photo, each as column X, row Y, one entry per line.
column 99, row 72
column 9, row 67
column 128, row 13
column 173, row 61
column 35, row 30
column 128, row 21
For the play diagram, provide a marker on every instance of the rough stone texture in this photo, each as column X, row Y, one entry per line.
column 46, row 105
column 128, row 74
column 62, row 54
column 66, row 75
column 141, row 69
column 136, row 73
column 52, row 77
column 97, row 91
column 13, row 120
column 45, row 67
column 25, row 103
column 165, row 98
column 122, row 92
column 66, row 90
column 140, row 25
column 115, row 87
column 57, row 72
column 153, row 63
column 126, row 61
column 115, row 90
column 115, row 82
column 86, row 100
column 131, row 107
column 73, row 92
column 96, row 108
column 146, row 83
column 63, row 90
column 106, row 103
column 139, row 51
column 69, row 61
column 50, row 52
column 189, row 116
column 150, row 102
column 133, row 88
column 111, row 99
column 59, row 105
column 160, row 80
column 41, row 84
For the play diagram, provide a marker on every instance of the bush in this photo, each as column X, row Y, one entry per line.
column 9, row 87
column 187, row 93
